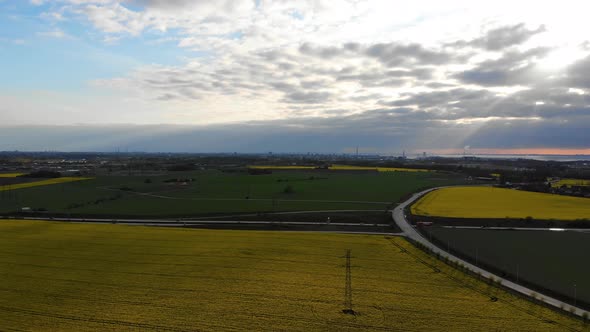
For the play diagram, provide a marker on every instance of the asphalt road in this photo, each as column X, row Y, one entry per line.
column 283, row 226
column 164, row 222
column 552, row 229
column 398, row 216
column 410, row 232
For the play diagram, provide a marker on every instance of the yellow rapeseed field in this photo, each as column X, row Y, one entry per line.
column 352, row 168
column 398, row 169
column 10, row 175
column 490, row 202
column 82, row 277
column 41, row 183
column 379, row 169
column 570, row 182
column 281, row 167
column 345, row 168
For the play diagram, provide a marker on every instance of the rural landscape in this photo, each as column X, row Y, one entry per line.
column 114, row 242
column 294, row 165
column 108, row 277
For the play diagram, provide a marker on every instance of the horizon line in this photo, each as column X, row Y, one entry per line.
column 428, row 152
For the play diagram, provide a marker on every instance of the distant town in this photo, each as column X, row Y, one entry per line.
column 510, row 171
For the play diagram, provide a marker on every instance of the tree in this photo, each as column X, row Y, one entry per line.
column 288, row 190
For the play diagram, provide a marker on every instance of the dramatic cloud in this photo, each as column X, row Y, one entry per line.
column 512, row 68
column 503, row 37
column 395, row 55
column 578, row 74
column 414, row 75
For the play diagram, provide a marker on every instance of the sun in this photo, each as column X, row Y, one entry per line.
column 560, row 58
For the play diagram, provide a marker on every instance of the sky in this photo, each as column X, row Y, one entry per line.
column 317, row 76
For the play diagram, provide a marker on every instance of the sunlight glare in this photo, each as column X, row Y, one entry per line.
column 560, row 58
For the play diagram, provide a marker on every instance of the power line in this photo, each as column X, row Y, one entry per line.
column 348, row 287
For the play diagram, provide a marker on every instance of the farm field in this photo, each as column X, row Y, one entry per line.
column 38, row 183
column 10, row 175
column 570, row 182
column 552, row 260
column 279, row 167
column 490, row 202
column 77, row 277
column 379, row 169
column 214, row 192
column 342, row 168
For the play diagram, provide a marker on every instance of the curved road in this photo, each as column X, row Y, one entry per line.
column 399, row 218
column 410, row 232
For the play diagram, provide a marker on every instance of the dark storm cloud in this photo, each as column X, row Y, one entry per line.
column 460, row 104
column 289, row 73
column 394, row 54
column 392, row 129
column 439, row 85
column 512, row 68
column 277, row 56
column 552, row 95
column 385, row 78
column 500, row 38
column 445, row 112
column 167, row 96
column 390, row 54
column 307, row 97
column 315, row 84
column 527, row 134
column 441, row 98
column 373, row 79
column 579, row 74
column 366, row 97
column 322, row 51
column 282, row 86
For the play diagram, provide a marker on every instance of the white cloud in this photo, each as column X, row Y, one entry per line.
column 53, row 16
column 379, row 62
column 114, row 19
column 55, row 33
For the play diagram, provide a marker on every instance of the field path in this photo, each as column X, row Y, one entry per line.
column 410, row 232
column 239, row 199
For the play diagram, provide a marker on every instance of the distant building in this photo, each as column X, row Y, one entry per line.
column 483, row 178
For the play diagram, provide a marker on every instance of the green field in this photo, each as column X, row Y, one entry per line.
column 78, row 277
column 217, row 192
column 553, row 260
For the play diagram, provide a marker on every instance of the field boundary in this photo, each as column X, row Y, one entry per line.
column 399, row 216
column 147, row 194
column 507, row 274
column 467, row 284
column 261, row 225
column 504, row 222
column 469, row 202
